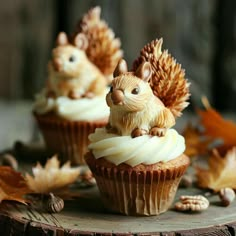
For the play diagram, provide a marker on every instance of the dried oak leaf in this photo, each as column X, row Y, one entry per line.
column 195, row 143
column 51, row 178
column 221, row 172
column 218, row 128
column 13, row 186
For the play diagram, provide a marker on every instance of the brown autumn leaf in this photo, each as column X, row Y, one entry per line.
column 13, row 186
column 221, row 172
column 218, row 128
column 52, row 177
column 195, row 143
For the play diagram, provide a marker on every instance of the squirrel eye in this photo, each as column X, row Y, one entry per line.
column 72, row 58
column 111, row 89
column 135, row 91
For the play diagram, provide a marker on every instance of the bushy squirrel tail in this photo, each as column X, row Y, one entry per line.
column 104, row 50
column 168, row 80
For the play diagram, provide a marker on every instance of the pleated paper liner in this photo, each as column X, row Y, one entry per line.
column 68, row 139
column 139, row 190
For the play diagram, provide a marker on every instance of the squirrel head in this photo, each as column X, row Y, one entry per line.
column 66, row 57
column 130, row 91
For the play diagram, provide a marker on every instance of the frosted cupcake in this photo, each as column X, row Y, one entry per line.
column 72, row 104
column 137, row 159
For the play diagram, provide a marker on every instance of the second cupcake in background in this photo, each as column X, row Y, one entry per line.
column 137, row 159
column 72, row 104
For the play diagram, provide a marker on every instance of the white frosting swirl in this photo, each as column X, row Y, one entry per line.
column 133, row 151
column 88, row 109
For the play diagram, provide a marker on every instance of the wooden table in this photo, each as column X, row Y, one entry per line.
column 86, row 216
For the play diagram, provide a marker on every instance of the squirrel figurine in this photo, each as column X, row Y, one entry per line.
column 70, row 71
column 83, row 65
column 134, row 109
column 138, row 104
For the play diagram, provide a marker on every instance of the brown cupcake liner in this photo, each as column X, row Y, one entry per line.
column 137, row 191
column 68, row 139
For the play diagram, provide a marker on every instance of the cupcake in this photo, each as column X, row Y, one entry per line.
column 72, row 104
column 137, row 159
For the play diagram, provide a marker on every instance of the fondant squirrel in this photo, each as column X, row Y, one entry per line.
column 83, row 65
column 148, row 99
column 70, row 71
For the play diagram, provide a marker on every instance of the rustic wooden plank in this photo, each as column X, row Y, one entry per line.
column 224, row 72
column 25, row 46
column 193, row 31
column 185, row 26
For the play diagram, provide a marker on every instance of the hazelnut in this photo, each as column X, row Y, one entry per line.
column 227, row 196
column 55, row 204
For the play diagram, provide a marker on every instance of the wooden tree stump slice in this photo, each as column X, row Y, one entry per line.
column 86, row 216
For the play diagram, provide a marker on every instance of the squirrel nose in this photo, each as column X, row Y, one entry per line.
column 117, row 96
column 57, row 64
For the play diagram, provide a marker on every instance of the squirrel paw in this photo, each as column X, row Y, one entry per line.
column 156, row 131
column 111, row 129
column 88, row 95
column 138, row 132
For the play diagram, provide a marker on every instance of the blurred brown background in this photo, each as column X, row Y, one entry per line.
column 201, row 34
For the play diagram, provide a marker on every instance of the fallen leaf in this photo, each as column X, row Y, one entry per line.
column 195, row 143
column 13, row 186
column 218, row 128
column 221, row 172
column 51, row 178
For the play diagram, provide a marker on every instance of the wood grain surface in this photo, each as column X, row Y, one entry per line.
column 86, row 216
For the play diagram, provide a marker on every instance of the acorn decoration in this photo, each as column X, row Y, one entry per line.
column 168, row 78
column 54, row 204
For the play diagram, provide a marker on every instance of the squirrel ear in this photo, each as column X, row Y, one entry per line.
column 144, row 71
column 61, row 39
column 81, row 41
column 121, row 68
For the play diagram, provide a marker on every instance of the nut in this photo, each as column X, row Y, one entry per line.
column 227, row 196
column 192, row 203
column 55, row 204
column 9, row 160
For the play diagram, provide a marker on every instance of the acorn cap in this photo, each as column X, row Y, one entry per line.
column 168, row 78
